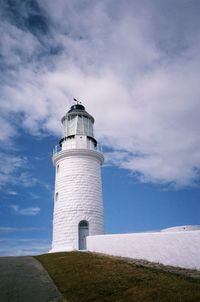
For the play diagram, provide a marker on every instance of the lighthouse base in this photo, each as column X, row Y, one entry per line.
column 62, row 249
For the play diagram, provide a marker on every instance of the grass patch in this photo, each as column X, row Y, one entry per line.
column 84, row 277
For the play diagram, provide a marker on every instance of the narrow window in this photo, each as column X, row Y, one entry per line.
column 58, row 168
column 57, row 196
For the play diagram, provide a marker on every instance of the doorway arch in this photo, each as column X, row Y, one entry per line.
column 83, row 232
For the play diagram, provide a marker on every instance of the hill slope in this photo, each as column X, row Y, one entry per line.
column 86, row 277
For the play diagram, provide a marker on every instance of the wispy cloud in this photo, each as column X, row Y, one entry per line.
column 33, row 196
column 5, row 229
column 13, row 171
column 32, row 211
column 13, row 193
column 135, row 63
column 26, row 246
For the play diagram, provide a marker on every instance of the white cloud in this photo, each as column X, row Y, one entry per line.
column 7, row 130
column 5, row 229
column 137, row 67
column 33, row 196
column 22, row 247
column 10, row 192
column 32, row 211
column 14, row 171
column 9, row 165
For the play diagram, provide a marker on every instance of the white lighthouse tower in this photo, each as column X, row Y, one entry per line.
column 78, row 205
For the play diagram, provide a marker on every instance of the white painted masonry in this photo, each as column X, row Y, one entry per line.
column 78, row 187
column 170, row 248
column 182, row 228
column 78, row 199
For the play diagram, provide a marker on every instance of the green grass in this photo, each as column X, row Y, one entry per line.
column 83, row 277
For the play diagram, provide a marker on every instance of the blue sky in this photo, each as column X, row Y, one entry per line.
column 135, row 65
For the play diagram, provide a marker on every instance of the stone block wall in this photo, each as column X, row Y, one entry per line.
column 78, row 196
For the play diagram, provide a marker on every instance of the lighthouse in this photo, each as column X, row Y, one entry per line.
column 78, row 204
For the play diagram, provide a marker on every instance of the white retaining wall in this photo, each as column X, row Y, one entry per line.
column 170, row 248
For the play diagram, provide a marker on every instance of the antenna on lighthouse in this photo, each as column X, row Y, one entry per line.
column 77, row 102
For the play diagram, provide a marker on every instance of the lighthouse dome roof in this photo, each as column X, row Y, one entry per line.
column 77, row 107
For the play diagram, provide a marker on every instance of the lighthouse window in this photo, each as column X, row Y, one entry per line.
column 58, row 169
column 57, row 196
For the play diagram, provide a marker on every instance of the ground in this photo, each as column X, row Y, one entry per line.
column 83, row 277
column 23, row 279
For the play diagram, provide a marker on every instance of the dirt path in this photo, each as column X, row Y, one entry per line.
column 23, row 279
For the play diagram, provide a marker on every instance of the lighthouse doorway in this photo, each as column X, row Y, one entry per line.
column 83, row 230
